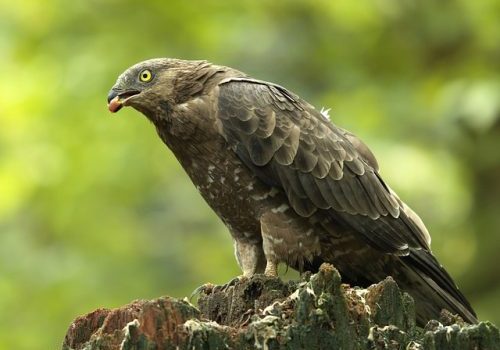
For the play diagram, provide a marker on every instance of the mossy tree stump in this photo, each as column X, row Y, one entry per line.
column 266, row 313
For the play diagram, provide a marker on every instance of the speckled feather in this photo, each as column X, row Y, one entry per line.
column 313, row 161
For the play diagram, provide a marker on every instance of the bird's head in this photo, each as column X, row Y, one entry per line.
column 150, row 85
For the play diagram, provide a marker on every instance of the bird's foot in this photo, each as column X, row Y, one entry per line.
column 208, row 288
column 204, row 288
column 231, row 283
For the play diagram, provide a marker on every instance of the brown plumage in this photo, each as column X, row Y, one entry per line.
column 289, row 185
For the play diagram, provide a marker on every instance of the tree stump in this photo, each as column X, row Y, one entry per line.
column 318, row 312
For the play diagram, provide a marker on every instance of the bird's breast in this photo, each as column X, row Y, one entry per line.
column 235, row 194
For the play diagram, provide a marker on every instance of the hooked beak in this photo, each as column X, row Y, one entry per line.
column 118, row 99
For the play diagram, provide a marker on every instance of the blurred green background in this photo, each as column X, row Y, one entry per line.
column 96, row 212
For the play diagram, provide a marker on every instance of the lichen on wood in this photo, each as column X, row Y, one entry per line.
column 318, row 312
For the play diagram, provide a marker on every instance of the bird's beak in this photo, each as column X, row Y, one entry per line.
column 117, row 99
column 114, row 103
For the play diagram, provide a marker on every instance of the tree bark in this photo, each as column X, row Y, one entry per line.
column 266, row 313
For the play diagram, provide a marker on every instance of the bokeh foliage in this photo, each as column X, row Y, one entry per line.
column 95, row 211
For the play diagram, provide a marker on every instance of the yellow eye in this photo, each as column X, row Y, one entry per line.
column 145, row 75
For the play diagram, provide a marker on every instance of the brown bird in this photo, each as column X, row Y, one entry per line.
column 290, row 186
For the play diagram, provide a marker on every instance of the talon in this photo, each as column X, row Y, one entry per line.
column 208, row 288
column 231, row 283
column 204, row 288
column 234, row 281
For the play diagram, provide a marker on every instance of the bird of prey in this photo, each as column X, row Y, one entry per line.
column 290, row 186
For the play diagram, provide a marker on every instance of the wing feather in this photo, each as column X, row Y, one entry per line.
column 321, row 167
column 318, row 165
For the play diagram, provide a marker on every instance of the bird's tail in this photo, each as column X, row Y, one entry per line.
column 420, row 275
column 432, row 288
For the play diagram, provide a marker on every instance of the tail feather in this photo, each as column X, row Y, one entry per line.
column 433, row 289
column 420, row 275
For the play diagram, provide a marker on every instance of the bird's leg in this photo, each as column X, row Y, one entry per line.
column 269, row 241
column 250, row 257
column 251, row 260
column 271, row 268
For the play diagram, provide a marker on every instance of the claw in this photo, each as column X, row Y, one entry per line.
column 211, row 288
column 204, row 288
column 231, row 283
